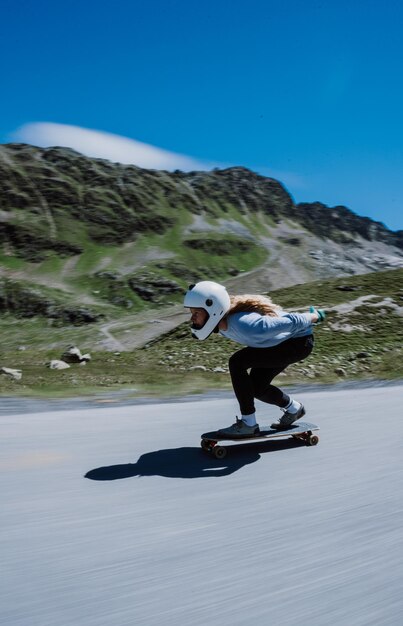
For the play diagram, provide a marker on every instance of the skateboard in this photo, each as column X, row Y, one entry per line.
column 211, row 442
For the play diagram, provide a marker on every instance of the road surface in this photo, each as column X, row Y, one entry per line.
column 113, row 516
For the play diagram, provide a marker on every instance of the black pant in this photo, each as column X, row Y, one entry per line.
column 264, row 365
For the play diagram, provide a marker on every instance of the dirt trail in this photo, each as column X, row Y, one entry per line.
column 136, row 330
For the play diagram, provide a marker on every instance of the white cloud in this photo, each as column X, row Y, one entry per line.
column 99, row 144
column 102, row 145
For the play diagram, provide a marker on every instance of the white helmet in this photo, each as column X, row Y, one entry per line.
column 211, row 297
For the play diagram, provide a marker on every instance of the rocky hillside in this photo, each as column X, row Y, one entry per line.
column 100, row 238
column 361, row 338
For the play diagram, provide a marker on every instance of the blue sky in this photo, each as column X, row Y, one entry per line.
column 308, row 92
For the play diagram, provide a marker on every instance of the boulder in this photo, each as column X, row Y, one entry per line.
column 73, row 355
column 56, row 364
column 340, row 371
column 12, row 373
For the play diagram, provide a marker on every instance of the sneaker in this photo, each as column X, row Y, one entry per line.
column 240, row 429
column 287, row 419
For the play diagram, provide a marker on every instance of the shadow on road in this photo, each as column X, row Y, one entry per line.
column 190, row 462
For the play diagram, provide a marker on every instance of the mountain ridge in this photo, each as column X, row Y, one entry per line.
column 131, row 238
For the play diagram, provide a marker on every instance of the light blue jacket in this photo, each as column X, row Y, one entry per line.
column 262, row 331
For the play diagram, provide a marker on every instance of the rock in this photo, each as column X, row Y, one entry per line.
column 292, row 241
column 73, row 355
column 362, row 355
column 27, row 302
column 145, row 293
column 151, row 286
column 221, row 246
column 56, row 364
column 78, row 316
column 12, row 373
column 340, row 371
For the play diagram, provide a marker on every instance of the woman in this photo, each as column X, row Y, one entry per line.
column 273, row 338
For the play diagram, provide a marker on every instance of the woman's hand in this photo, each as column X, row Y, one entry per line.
column 318, row 315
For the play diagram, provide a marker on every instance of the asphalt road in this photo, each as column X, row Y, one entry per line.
column 113, row 516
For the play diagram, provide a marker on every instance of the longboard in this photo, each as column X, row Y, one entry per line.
column 212, row 442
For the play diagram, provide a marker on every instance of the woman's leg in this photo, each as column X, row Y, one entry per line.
column 272, row 361
column 264, row 391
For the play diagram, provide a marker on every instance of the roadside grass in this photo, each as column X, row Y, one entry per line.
column 365, row 342
column 105, row 372
column 325, row 293
column 361, row 343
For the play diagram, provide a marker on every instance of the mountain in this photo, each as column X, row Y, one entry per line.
column 82, row 238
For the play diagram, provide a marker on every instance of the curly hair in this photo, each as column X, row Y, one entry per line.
column 248, row 303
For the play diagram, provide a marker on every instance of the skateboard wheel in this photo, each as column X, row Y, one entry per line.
column 219, row 452
column 205, row 445
column 313, row 440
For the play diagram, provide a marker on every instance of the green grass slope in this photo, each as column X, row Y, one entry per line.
column 361, row 339
column 362, row 336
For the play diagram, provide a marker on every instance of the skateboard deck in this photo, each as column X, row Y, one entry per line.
column 212, row 442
